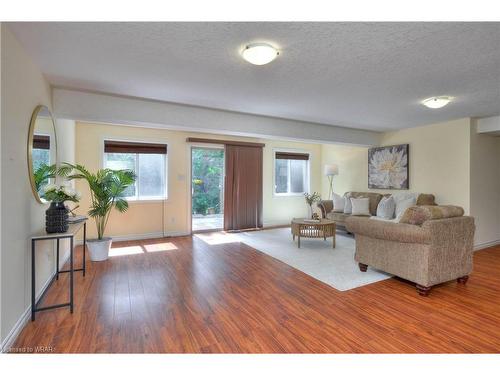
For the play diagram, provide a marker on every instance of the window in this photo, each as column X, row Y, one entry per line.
column 149, row 163
column 291, row 173
column 41, row 150
column 41, row 158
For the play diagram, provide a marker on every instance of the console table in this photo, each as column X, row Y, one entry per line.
column 43, row 236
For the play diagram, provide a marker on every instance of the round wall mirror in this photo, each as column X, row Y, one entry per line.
column 42, row 151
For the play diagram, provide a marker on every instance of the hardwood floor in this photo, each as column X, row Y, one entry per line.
column 182, row 295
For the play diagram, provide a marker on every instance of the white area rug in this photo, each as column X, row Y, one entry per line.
column 335, row 267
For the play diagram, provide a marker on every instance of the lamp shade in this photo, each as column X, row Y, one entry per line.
column 331, row 169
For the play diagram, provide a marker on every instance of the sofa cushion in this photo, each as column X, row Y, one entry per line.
column 400, row 196
column 326, row 206
column 426, row 200
column 347, row 204
column 386, row 208
column 417, row 215
column 402, row 205
column 338, row 203
column 360, row 206
column 374, row 199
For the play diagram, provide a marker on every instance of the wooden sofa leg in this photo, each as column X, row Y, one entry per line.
column 463, row 280
column 363, row 267
column 423, row 290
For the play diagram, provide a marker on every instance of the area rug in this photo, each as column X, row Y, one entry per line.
column 335, row 267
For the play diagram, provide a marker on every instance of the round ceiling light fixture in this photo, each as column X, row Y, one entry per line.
column 259, row 53
column 437, row 101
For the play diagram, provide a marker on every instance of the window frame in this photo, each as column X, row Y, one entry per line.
column 307, row 185
column 137, row 198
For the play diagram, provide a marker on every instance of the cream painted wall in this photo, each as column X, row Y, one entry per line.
column 65, row 133
column 172, row 217
column 449, row 160
column 23, row 88
column 353, row 168
column 278, row 210
column 1, row 120
column 439, row 160
column 485, row 186
column 439, row 164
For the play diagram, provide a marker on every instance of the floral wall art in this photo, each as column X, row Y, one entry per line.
column 388, row 167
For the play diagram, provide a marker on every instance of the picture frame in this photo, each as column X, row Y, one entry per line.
column 388, row 167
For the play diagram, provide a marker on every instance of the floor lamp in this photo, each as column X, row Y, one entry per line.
column 330, row 171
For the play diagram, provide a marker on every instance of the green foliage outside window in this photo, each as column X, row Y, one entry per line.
column 207, row 183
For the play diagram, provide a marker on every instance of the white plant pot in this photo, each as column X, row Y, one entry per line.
column 99, row 249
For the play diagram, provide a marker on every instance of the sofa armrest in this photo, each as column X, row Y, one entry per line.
column 451, row 231
column 389, row 231
column 325, row 206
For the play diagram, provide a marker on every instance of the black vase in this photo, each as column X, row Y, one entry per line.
column 56, row 218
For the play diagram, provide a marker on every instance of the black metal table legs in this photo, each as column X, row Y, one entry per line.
column 72, row 270
column 84, row 245
column 33, row 304
column 71, row 274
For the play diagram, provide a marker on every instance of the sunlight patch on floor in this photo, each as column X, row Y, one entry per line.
column 126, row 250
column 156, row 247
column 217, row 238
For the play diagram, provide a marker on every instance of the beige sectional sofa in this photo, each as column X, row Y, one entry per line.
column 429, row 245
column 327, row 209
column 437, row 251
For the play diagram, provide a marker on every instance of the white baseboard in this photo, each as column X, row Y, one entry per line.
column 141, row 236
column 144, row 236
column 26, row 315
column 177, row 234
column 484, row 245
column 16, row 330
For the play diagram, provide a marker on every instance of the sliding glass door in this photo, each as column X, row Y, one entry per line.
column 207, row 188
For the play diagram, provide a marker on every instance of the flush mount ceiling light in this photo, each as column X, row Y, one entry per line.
column 259, row 53
column 437, row 101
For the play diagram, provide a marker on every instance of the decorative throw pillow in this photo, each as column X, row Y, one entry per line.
column 338, row 203
column 417, row 215
column 402, row 205
column 386, row 208
column 347, row 204
column 360, row 206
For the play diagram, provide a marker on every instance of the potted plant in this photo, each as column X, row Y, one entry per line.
column 107, row 191
column 310, row 200
column 56, row 216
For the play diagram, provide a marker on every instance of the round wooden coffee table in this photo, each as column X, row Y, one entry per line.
column 323, row 228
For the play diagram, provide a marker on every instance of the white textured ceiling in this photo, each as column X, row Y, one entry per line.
column 364, row 75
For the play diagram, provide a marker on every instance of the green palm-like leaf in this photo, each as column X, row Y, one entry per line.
column 121, row 205
column 107, row 188
column 43, row 173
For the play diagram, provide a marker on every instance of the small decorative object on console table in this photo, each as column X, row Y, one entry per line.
column 56, row 216
column 310, row 200
column 323, row 228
